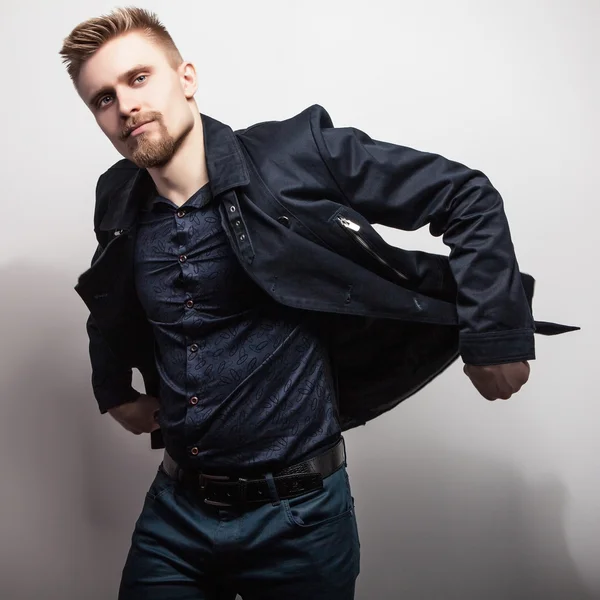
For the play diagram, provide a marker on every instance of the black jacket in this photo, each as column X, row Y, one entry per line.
column 298, row 199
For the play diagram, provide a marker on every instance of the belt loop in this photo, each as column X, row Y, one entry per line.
column 243, row 489
column 345, row 455
column 272, row 489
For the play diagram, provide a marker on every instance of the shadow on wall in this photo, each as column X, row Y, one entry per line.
column 435, row 524
column 447, row 525
column 73, row 480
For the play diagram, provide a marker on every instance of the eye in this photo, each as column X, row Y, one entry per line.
column 100, row 104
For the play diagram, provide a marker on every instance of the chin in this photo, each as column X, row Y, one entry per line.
column 150, row 162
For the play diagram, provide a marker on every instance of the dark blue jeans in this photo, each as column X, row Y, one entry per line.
column 296, row 549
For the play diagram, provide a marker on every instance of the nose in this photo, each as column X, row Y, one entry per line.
column 128, row 103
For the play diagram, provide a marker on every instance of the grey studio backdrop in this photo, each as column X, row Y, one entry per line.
column 457, row 498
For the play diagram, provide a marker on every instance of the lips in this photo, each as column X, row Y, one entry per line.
column 138, row 125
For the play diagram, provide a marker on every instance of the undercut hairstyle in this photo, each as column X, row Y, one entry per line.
column 89, row 36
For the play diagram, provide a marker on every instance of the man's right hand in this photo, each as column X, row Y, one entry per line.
column 139, row 416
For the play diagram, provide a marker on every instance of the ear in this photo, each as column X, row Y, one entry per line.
column 188, row 79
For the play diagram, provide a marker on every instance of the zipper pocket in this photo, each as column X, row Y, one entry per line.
column 353, row 229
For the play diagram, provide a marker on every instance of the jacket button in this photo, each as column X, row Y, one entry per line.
column 194, row 451
column 284, row 220
column 194, row 400
column 182, row 258
column 189, row 303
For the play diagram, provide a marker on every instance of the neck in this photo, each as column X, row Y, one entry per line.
column 186, row 172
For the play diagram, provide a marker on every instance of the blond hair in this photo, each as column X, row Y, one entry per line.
column 89, row 36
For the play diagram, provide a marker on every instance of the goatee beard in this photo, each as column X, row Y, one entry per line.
column 151, row 153
column 155, row 149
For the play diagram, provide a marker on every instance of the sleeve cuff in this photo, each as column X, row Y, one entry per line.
column 497, row 347
column 108, row 399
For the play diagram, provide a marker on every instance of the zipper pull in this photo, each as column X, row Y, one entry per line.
column 349, row 224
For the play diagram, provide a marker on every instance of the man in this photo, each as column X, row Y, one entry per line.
column 240, row 273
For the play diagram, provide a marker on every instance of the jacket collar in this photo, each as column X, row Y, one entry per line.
column 225, row 164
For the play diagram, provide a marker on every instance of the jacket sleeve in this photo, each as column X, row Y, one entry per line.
column 111, row 381
column 404, row 188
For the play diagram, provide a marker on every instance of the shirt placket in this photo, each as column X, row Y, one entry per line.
column 182, row 224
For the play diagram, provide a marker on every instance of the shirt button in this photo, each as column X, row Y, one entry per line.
column 194, row 451
column 189, row 303
column 182, row 258
column 232, row 208
column 242, row 237
column 181, row 213
column 237, row 223
column 194, row 400
column 194, row 347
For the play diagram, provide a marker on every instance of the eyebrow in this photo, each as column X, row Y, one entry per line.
column 124, row 77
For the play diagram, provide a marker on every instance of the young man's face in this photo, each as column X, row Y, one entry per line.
column 129, row 81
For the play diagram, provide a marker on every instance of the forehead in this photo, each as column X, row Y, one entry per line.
column 115, row 58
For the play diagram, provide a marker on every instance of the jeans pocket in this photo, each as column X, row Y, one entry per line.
column 324, row 506
column 162, row 483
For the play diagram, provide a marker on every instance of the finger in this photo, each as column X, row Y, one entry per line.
column 505, row 391
column 487, row 393
column 491, row 392
column 150, row 424
column 154, row 424
column 519, row 383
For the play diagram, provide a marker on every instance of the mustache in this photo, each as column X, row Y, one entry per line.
column 133, row 124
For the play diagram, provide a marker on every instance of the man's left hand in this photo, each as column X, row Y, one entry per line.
column 498, row 381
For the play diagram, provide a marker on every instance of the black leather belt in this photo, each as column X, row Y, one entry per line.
column 292, row 481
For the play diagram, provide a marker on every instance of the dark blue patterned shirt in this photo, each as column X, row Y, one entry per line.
column 245, row 383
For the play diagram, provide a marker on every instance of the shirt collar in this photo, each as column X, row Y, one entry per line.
column 198, row 199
